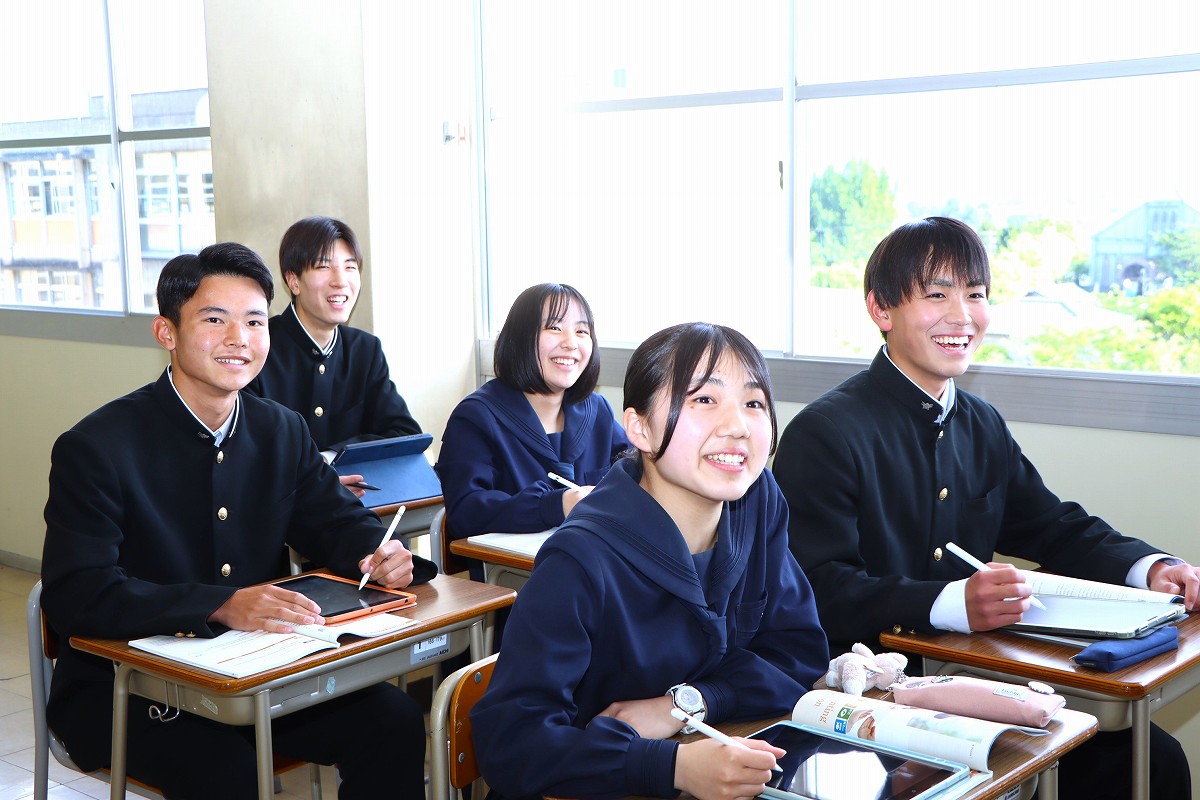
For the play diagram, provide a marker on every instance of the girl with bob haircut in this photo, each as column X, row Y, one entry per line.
column 539, row 415
column 670, row 585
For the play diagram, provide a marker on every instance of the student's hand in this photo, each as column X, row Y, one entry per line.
column 263, row 608
column 1181, row 579
column 573, row 496
column 391, row 565
column 650, row 717
column 710, row 770
column 346, row 480
column 988, row 593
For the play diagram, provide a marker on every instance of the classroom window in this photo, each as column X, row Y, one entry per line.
column 645, row 159
column 71, row 238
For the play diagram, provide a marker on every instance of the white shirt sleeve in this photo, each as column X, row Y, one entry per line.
column 949, row 612
column 1139, row 574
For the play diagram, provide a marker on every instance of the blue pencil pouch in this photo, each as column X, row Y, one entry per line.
column 1111, row 655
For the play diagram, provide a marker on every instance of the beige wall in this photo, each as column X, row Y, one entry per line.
column 298, row 129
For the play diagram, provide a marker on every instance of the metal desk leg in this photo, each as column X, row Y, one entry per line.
column 1048, row 783
column 1141, row 749
column 120, row 733
column 480, row 643
column 263, row 745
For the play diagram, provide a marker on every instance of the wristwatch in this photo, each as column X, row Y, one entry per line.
column 687, row 698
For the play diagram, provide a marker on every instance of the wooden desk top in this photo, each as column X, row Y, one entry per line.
column 443, row 601
column 1031, row 658
column 1015, row 757
column 492, row 555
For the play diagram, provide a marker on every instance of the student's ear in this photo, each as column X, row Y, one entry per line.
column 292, row 280
column 164, row 332
column 636, row 431
column 879, row 312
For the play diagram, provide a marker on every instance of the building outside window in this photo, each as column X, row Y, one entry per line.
column 127, row 112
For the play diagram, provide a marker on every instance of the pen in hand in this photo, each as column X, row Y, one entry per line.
column 391, row 529
column 363, row 485
column 711, row 732
column 562, row 480
column 982, row 567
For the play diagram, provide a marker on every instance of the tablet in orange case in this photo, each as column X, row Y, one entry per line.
column 340, row 598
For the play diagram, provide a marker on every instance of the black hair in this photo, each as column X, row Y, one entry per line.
column 910, row 257
column 515, row 359
column 181, row 276
column 669, row 361
column 308, row 241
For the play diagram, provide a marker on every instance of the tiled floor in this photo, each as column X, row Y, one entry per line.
column 16, row 715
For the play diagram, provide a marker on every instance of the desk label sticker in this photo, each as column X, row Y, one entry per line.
column 431, row 648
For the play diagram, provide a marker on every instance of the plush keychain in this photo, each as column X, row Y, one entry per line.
column 860, row 669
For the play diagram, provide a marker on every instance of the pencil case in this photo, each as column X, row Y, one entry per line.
column 984, row 699
column 1111, row 655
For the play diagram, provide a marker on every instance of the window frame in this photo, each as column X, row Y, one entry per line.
column 1094, row 399
column 108, row 326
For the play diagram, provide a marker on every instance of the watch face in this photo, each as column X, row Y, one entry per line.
column 689, row 698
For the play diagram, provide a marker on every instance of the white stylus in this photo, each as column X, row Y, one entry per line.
column 711, row 732
column 562, row 480
column 982, row 567
column 391, row 529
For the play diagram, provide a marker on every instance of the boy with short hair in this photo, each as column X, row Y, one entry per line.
column 333, row 375
column 167, row 507
column 885, row 469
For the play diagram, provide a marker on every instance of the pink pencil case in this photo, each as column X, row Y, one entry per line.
column 977, row 697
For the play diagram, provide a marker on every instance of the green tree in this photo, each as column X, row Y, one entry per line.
column 849, row 212
column 1173, row 314
column 1179, row 255
column 1032, row 253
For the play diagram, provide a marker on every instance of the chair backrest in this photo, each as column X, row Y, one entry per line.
column 439, row 539
column 43, row 649
column 452, row 759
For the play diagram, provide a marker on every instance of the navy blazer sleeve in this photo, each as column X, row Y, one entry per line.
column 384, row 412
column 868, row 520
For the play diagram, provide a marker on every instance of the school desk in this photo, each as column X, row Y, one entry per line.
column 1118, row 699
column 1014, row 759
column 450, row 613
column 502, row 553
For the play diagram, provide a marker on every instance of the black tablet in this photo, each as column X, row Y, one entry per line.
column 824, row 766
column 340, row 599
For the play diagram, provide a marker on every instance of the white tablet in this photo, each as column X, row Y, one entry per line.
column 1096, row 618
column 820, row 765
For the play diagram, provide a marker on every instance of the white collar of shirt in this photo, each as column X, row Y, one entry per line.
column 332, row 340
column 947, row 401
column 221, row 433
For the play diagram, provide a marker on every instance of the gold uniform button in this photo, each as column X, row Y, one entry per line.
column 179, row 634
column 943, row 494
column 896, row 629
column 319, row 411
column 321, row 369
column 225, row 570
column 222, row 513
column 937, row 554
column 220, row 456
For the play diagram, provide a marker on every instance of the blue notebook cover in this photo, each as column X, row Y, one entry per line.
column 397, row 466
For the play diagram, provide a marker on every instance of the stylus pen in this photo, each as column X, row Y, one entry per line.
column 363, row 485
column 391, row 529
column 711, row 732
column 982, row 567
column 562, row 480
